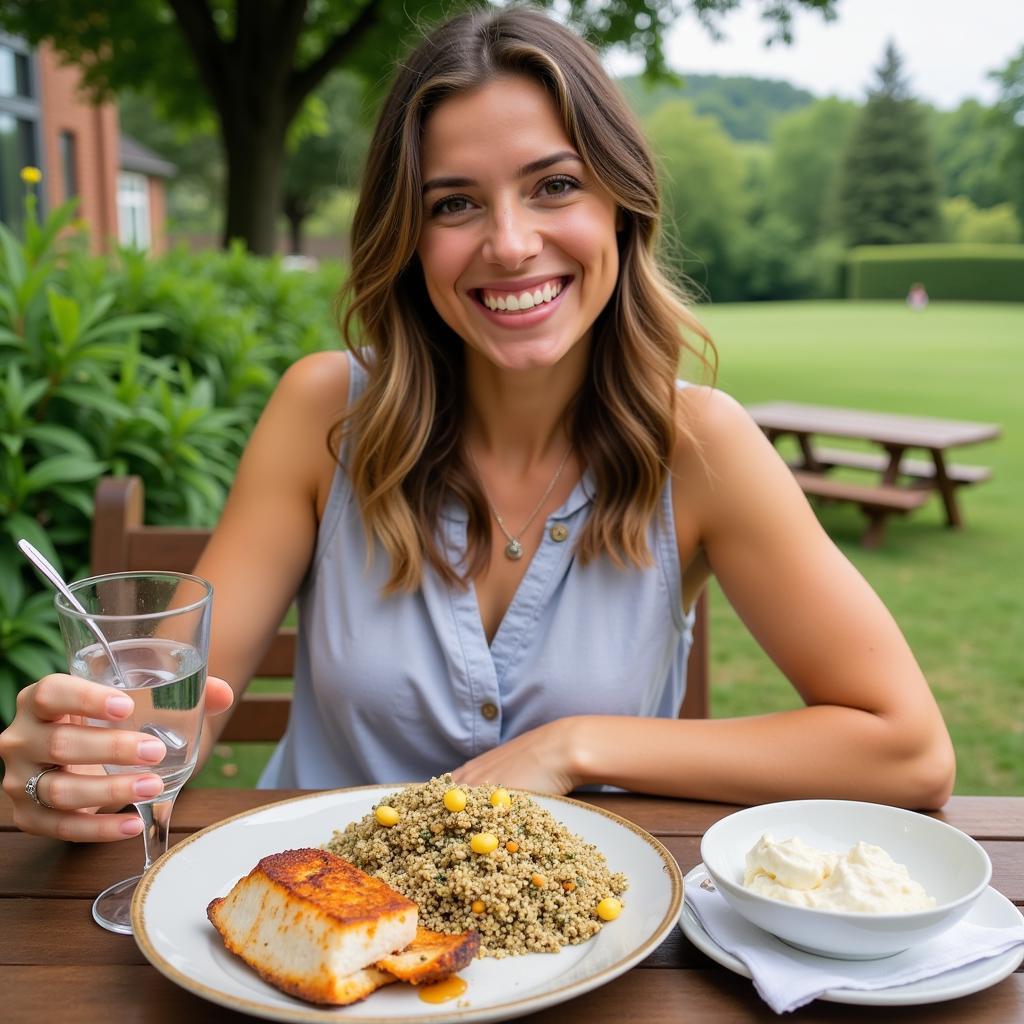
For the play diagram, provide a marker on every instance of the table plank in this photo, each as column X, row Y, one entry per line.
column 879, row 427
column 129, row 993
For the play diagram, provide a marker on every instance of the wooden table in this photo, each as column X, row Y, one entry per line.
column 894, row 434
column 56, row 964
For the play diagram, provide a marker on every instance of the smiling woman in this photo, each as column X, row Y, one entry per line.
column 497, row 509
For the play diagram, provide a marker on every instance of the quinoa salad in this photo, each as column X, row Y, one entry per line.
column 487, row 859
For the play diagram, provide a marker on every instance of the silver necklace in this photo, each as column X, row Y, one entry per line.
column 514, row 547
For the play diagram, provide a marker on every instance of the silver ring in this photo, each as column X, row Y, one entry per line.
column 32, row 787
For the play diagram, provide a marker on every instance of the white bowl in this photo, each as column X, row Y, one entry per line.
column 951, row 866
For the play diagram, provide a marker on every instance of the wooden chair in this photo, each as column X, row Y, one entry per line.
column 121, row 542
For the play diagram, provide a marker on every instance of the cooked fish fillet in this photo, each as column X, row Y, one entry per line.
column 431, row 956
column 312, row 924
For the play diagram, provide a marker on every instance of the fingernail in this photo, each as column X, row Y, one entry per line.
column 131, row 826
column 151, row 750
column 149, row 786
column 119, row 706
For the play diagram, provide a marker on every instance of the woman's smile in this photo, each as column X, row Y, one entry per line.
column 522, row 307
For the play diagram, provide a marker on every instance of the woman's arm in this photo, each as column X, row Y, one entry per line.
column 871, row 729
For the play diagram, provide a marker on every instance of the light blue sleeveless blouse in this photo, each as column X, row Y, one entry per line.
column 402, row 688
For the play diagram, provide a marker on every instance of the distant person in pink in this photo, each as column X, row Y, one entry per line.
column 917, row 297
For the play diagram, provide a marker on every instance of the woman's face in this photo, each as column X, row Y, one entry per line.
column 518, row 244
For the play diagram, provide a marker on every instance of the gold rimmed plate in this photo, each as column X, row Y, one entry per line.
column 171, row 929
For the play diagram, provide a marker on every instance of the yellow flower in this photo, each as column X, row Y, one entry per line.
column 31, row 175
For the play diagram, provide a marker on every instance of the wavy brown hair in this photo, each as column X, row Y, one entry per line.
column 405, row 455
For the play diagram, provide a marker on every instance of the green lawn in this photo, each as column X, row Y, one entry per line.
column 958, row 595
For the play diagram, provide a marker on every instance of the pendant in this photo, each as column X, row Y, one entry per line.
column 514, row 550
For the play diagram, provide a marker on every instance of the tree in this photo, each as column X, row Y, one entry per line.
column 970, row 149
column 1011, row 118
column 888, row 186
column 329, row 154
column 254, row 63
column 702, row 177
column 806, row 151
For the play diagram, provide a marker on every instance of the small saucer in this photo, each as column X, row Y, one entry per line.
column 992, row 910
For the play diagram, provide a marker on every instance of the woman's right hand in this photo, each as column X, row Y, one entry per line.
column 49, row 729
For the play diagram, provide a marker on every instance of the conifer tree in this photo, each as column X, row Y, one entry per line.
column 888, row 189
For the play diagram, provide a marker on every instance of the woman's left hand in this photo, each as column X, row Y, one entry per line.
column 540, row 760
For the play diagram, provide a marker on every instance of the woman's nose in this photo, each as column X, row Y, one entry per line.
column 512, row 237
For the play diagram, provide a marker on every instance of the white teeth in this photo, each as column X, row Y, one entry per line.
column 524, row 300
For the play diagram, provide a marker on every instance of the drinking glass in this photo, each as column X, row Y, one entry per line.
column 157, row 626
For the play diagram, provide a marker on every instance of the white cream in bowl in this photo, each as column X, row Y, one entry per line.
column 864, row 879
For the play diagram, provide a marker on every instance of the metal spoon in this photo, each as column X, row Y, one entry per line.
column 53, row 577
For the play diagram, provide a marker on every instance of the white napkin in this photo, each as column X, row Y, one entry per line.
column 788, row 979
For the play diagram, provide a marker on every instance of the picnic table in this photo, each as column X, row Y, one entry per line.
column 55, row 963
column 903, row 484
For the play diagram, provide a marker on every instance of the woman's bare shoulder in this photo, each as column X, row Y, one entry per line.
column 711, row 429
column 317, row 382
column 725, row 471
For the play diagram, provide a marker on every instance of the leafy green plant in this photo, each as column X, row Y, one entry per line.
column 126, row 365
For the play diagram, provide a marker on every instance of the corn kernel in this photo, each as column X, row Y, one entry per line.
column 483, row 842
column 386, row 815
column 512, row 846
column 501, row 798
column 609, row 908
column 568, row 886
column 478, row 906
column 538, row 880
column 455, row 800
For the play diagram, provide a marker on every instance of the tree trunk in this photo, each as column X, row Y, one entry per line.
column 296, row 217
column 254, row 150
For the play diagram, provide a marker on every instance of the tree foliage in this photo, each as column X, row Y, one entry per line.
column 702, row 182
column 328, row 155
column 970, row 150
column 807, row 148
column 746, row 107
column 1010, row 117
column 888, row 186
column 254, row 63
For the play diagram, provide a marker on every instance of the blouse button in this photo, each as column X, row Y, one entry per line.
column 559, row 533
column 489, row 711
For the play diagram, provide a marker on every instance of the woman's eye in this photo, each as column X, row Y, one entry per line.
column 559, row 185
column 450, row 205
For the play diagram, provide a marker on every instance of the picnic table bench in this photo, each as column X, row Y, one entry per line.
column 903, row 484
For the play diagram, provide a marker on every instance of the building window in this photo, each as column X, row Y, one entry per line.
column 19, row 130
column 133, row 210
column 17, row 150
column 69, row 163
column 15, row 80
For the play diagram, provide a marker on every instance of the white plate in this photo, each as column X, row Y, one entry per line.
column 171, row 929
column 992, row 910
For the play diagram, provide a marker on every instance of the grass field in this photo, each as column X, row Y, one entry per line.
column 958, row 595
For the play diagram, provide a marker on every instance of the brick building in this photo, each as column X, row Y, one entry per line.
column 46, row 123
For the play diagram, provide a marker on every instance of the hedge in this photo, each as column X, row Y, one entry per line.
column 989, row 273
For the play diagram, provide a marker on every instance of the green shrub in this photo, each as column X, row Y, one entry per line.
column 963, row 222
column 993, row 273
column 126, row 365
